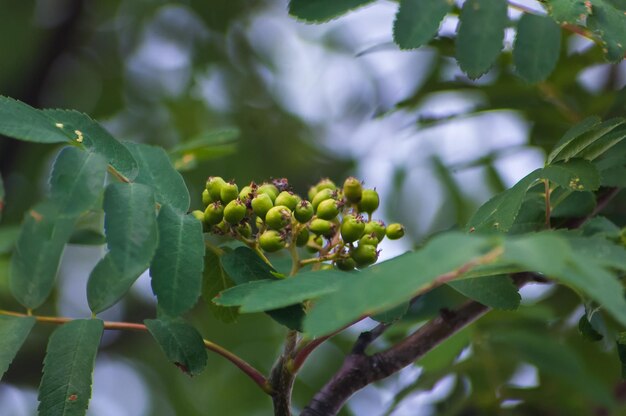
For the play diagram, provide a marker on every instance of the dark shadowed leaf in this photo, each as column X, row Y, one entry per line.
column 575, row 174
column 13, row 333
column 323, row 10
column 215, row 280
column 417, row 21
column 584, row 135
column 181, row 343
column 206, row 146
column 243, row 265
column 65, row 387
column 497, row 292
column 21, row 121
column 537, row 46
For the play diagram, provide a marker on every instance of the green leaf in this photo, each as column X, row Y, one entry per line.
column 392, row 315
column 602, row 227
column 567, row 11
column 263, row 295
column 13, row 333
column 621, row 351
column 544, row 252
column 132, row 238
column 609, row 24
column 89, row 229
column 444, row 355
column 8, row 238
column 97, row 139
column 499, row 213
column 574, row 132
column 602, row 145
column 68, row 367
column 575, row 174
column 21, row 121
column 291, row 316
column 388, row 284
column 176, row 269
column 537, row 47
column 480, row 35
column 214, row 281
column 587, row 330
column 1, row 197
column 417, row 21
column 243, row 265
column 77, row 180
column 37, row 254
column 156, row 170
column 206, row 146
column 497, row 292
column 181, row 343
column 575, row 204
column 323, row 10
column 571, row 146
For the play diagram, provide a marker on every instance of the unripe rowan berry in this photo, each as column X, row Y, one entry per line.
column 278, row 217
column 377, row 228
column 351, row 229
column 261, row 204
column 346, row 264
column 327, row 209
column 269, row 189
column 352, row 189
column 395, row 231
column 244, row 230
column 214, row 213
column 229, row 192
column 199, row 215
column 246, row 194
column 322, row 227
column 302, row 238
column 303, row 211
column 322, row 195
column 364, row 255
column 326, row 184
column 314, row 244
column 214, row 186
column 206, row 197
column 369, row 201
column 369, row 240
column 312, row 192
column 234, row 211
column 288, row 199
column 222, row 228
column 271, row 241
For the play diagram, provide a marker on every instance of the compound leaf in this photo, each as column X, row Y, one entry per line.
column 21, row 121
column 537, row 46
column 181, row 343
column 13, row 333
column 417, row 21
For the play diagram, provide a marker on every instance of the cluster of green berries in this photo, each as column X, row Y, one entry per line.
column 331, row 222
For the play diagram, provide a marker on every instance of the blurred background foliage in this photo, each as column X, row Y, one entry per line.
column 280, row 98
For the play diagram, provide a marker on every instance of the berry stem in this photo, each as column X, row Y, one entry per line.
column 254, row 374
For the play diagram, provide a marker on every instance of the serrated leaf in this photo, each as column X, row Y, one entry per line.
column 499, row 213
column 567, row 11
column 537, row 47
column 156, row 170
column 206, row 146
column 37, row 254
column 604, row 144
column 65, row 387
column 77, row 180
column 575, row 174
column 497, row 292
column 97, row 139
column 176, row 269
column 243, row 265
column 132, row 238
column 574, row 132
column 417, row 21
column 571, row 146
column 610, row 24
column 21, row 121
column 13, row 333
column 480, row 35
column 318, row 11
column 181, row 343
column 388, row 284
column 214, row 281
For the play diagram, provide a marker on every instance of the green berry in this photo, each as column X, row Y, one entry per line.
column 270, row 189
column 322, row 227
column 222, row 228
column 261, row 204
column 258, row 222
column 246, row 193
column 271, row 241
column 302, row 238
column 351, row 228
column 346, row 264
column 322, row 195
column 395, row 231
column 234, row 211
column 377, row 228
column 312, row 192
column 214, row 186
column 303, row 211
column 369, row 201
column 229, row 192
column 199, row 215
column 244, row 230
column 352, row 189
column 369, row 240
column 214, row 213
column 314, row 244
column 278, row 217
column 326, row 184
column 364, row 255
column 206, row 197
column 327, row 209
column 288, row 199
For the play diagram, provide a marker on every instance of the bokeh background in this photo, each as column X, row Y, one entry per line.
column 304, row 102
